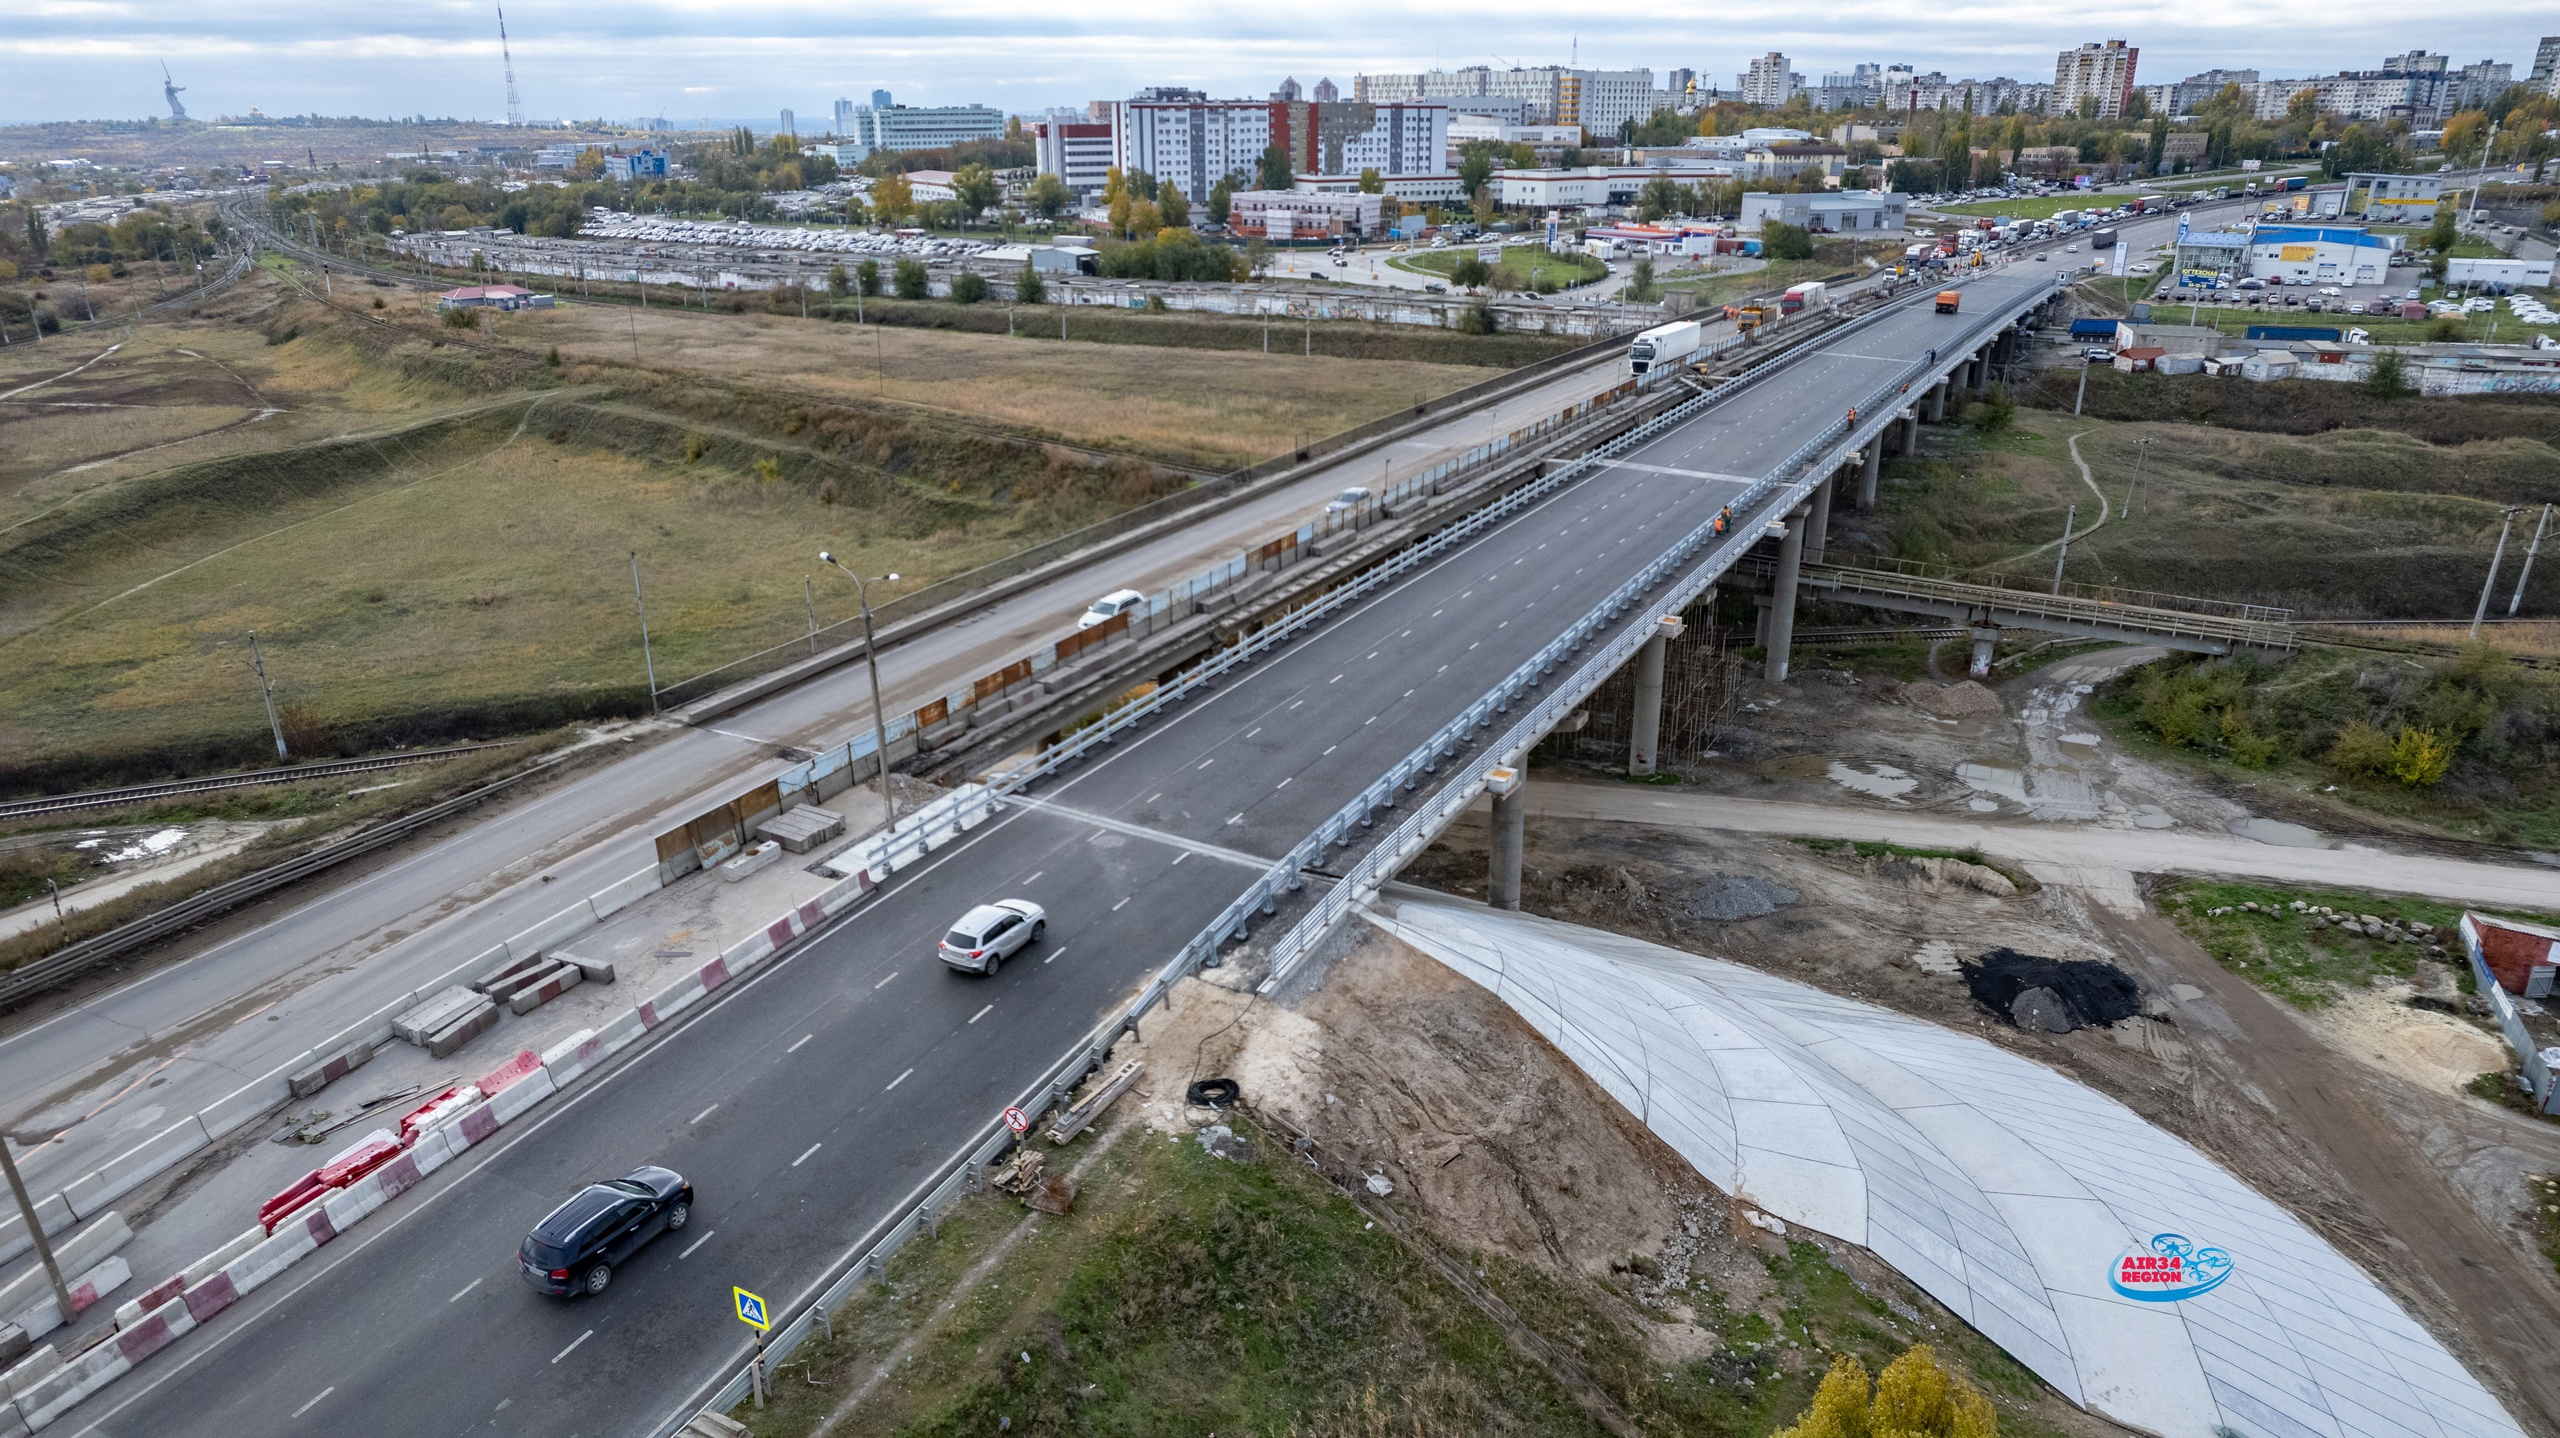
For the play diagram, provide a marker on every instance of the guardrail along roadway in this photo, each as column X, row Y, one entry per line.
column 814, row 1099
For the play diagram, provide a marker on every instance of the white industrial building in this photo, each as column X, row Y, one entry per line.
column 1301, row 214
column 880, row 125
column 2320, row 254
column 1830, row 212
column 2401, row 199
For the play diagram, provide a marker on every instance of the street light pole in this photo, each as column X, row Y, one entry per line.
column 2491, row 585
column 871, row 658
column 2141, row 452
column 35, row 1230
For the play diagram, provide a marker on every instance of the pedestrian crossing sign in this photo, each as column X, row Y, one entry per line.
column 751, row 1310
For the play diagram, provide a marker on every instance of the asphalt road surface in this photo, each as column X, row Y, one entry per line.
column 807, row 1103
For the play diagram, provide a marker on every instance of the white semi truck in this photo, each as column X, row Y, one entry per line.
column 1663, row 345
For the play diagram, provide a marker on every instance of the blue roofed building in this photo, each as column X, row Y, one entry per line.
column 2211, row 259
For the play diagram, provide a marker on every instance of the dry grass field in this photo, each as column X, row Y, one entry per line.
column 1214, row 408
column 431, row 533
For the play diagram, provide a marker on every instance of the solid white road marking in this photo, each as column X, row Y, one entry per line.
column 706, row 1113
column 1124, row 903
column 466, row 1288
column 572, row 1348
column 325, row 1392
column 1057, row 954
column 884, row 983
column 795, row 1048
column 697, row 1243
column 982, row 1013
column 804, row 1156
column 902, row 1078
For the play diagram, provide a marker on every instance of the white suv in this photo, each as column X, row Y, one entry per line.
column 991, row 933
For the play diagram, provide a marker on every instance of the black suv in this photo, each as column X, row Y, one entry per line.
column 574, row 1250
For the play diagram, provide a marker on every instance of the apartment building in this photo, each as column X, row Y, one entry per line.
column 884, row 125
column 1346, row 137
column 2101, row 73
column 1076, row 149
column 1768, row 83
column 1190, row 139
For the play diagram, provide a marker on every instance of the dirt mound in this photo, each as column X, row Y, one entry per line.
column 2055, row 995
column 1963, row 700
column 1729, row 897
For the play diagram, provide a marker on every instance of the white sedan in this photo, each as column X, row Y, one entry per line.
column 1111, row 606
column 991, row 933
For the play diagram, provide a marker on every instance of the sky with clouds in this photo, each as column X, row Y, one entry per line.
column 684, row 59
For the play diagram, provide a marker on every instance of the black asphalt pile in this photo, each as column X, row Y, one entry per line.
column 2052, row 995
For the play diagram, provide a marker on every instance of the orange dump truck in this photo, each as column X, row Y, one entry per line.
column 1948, row 300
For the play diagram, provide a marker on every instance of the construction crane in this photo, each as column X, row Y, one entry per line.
column 515, row 106
column 170, row 87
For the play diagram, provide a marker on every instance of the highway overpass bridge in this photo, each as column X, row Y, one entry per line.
column 813, row 1102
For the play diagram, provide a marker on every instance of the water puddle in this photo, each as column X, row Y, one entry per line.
column 2152, row 816
column 150, row 846
column 2277, row 831
column 2000, row 779
column 1881, row 780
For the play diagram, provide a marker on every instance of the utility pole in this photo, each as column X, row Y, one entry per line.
column 871, row 658
column 2494, row 561
column 2529, row 551
column 809, row 596
column 267, row 692
column 2141, row 452
column 35, row 1230
column 2084, row 387
column 2058, row 560
column 645, row 657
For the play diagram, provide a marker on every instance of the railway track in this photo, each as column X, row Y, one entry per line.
column 292, row 774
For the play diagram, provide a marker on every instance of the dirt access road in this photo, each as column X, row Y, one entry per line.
column 2328, row 1107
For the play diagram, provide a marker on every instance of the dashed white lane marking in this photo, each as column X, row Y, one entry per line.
column 466, row 1289
column 332, row 1388
column 902, row 1078
column 697, row 1243
column 1054, row 956
column 795, row 1048
column 982, row 1013
column 572, row 1348
column 804, row 1154
column 884, row 983
column 1124, row 903
column 706, row 1113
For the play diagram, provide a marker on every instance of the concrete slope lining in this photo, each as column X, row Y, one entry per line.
column 2125, row 1267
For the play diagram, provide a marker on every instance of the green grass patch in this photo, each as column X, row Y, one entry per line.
column 1188, row 1294
column 1719, row 288
column 1879, row 849
column 2299, row 956
column 2546, row 1216
column 1528, row 265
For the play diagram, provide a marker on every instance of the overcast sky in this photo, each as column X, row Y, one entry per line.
column 100, row 59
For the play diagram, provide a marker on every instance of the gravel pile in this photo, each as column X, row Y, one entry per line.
column 1730, row 897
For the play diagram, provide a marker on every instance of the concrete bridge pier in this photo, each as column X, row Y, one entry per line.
column 1868, row 467
column 1644, row 743
column 1977, row 371
column 1937, row 405
column 1911, row 431
column 1817, row 523
column 1510, row 836
column 1782, row 597
column 1984, row 637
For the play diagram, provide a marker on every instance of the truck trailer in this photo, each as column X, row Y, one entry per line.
column 1663, row 345
column 1806, row 296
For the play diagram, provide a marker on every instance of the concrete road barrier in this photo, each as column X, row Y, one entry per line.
column 506, row 1075
column 329, row 1070
column 135, row 1166
column 498, row 982
column 45, row 1314
column 54, row 1213
column 672, row 1000
column 53, row 1396
column 550, row 984
column 75, row 1254
column 572, row 1056
column 435, row 1012
column 474, row 1023
column 561, row 925
column 614, row 898
column 522, row 1095
column 243, row 1105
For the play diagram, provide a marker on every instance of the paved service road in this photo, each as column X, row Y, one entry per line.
column 806, row 1151
column 2082, row 854
column 349, row 949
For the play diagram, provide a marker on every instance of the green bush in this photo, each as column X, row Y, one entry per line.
column 968, row 287
column 1994, row 413
column 2203, row 706
column 911, row 279
column 1171, row 255
column 2389, row 376
column 460, row 318
column 1780, row 241
column 867, row 276
column 1028, row 287
column 1479, row 319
